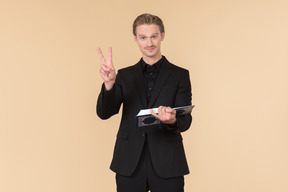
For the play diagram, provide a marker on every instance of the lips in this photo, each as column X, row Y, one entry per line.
column 150, row 48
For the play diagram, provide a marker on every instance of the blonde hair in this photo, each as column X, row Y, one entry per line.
column 147, row 18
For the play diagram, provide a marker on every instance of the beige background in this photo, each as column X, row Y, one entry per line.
column 236, row 51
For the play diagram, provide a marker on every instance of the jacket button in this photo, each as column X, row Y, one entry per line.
column 143, row 134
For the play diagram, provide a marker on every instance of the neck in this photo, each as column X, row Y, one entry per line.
column 152, row 60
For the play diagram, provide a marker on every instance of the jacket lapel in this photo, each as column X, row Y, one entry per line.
column 139, row 82
column 161, row 79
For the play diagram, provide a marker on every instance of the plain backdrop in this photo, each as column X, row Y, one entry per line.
column 235, row 50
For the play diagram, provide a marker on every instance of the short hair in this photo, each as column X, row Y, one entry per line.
column 147, row 18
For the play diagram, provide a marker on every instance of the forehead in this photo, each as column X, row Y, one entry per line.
column 147, row 29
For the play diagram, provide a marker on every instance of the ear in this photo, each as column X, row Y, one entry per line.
column 135, row 38
column 162, row 36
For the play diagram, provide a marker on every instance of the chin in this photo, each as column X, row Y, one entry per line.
column 151, row 54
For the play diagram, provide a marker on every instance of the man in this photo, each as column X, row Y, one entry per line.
column 151, row 157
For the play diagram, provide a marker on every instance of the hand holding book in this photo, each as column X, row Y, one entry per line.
column 145, row 117
column 166, row 115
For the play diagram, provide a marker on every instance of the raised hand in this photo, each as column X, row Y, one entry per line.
column 107, row 70
column 165, row 115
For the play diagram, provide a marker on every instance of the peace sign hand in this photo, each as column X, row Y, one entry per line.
column 107, row 70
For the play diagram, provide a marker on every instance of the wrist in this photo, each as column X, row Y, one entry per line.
column 109, row 85
column 171, row 121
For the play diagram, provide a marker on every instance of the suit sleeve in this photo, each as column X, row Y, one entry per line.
column 183, row 98
column 109, row 102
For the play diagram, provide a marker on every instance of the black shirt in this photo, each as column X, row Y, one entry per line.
column 150, row 73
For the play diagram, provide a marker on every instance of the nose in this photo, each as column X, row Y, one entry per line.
column 149, row 42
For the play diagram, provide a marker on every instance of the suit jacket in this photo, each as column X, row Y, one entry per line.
column 173, row 89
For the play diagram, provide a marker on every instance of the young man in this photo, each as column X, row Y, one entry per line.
column 151, row 157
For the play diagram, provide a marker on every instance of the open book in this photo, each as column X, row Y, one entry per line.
column 144, row 117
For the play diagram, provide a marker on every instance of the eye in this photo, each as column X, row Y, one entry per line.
column 142, row 38
column 154, row 37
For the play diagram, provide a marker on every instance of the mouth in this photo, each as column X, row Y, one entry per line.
column 150, row 48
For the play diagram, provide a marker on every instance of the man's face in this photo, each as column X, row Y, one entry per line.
column 148, row 38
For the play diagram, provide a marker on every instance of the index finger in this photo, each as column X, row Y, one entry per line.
column 110, row 54
column 154, row 114
column 101, row 55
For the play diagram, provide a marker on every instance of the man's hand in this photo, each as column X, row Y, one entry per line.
column 107, row 70
column 166, row 115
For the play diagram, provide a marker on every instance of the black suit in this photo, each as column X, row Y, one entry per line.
column 172, row 89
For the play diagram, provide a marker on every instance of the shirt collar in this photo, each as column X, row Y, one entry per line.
column 157, row 65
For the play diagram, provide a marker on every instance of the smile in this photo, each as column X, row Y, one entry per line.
column 150, row 49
